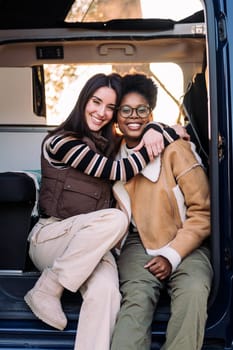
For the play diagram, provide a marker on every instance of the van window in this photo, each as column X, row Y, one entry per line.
column 169, row 78
column 104, row 10
column 64, row 82
column 62, row 86
column 16, row 97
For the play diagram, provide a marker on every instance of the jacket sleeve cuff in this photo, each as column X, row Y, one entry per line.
column 172, row 256
column 169, row 134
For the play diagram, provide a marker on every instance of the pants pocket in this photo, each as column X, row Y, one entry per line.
column 46, row 229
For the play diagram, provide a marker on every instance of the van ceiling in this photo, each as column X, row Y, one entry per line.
column 23, row 14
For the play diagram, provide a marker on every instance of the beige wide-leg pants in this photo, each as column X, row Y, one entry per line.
column 78, row 251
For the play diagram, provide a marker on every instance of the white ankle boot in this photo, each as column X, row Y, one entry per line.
column 44, row 300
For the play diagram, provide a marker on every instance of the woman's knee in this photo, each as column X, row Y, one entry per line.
column 118, row 219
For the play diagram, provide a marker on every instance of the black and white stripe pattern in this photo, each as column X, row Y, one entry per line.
column 68, row 151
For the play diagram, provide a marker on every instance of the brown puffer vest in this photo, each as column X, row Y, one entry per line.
column 68, row 192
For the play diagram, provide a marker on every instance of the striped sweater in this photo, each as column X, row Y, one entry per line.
column 68, row 151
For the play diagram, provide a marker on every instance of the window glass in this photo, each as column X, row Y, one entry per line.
column 105, row 10
column 64, row 82
column 170, row 82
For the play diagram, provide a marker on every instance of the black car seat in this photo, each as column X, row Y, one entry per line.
column 17, row 200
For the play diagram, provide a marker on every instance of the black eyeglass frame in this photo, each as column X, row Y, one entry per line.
column 149, row 110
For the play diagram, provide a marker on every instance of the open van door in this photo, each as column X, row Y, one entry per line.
column 220, row 83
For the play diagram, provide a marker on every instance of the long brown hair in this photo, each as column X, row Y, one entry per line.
column 75, row 124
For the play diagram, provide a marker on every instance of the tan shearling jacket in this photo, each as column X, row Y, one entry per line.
column 169, row 203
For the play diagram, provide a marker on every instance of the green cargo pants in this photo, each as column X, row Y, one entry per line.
column 189, row 287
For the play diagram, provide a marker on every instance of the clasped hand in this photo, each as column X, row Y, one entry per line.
column 154, row 143
column 160, row 267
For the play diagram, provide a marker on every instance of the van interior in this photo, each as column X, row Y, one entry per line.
column 44, row 62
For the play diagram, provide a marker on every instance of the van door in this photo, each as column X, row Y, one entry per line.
column 219, row 17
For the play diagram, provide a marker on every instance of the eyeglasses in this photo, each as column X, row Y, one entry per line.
column 142, row 111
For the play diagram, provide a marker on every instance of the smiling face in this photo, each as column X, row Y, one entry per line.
column 100, row 108
column 133, row 126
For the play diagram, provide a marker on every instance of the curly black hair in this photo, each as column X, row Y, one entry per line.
column 141, row 84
